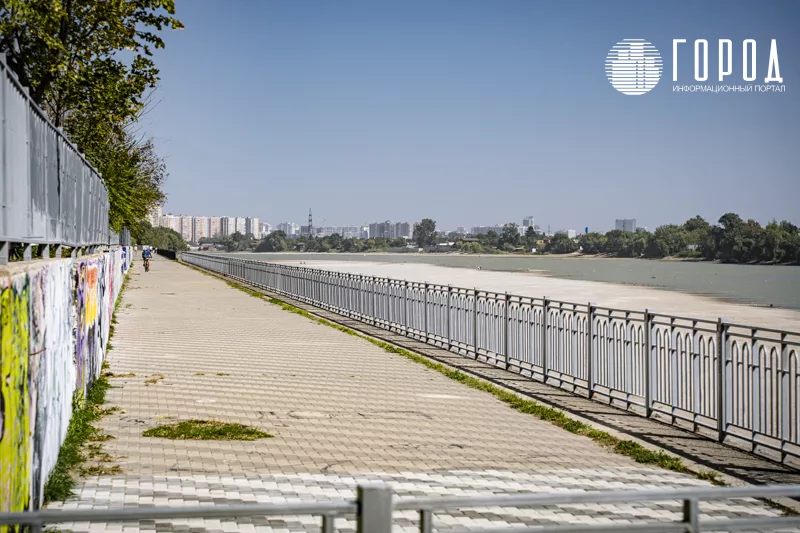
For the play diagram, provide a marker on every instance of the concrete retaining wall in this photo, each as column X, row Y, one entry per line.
column 56, row 316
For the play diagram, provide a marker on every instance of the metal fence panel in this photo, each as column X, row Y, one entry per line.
column 737, row 381
column 49, row 193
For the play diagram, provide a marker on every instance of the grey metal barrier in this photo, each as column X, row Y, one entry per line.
column 169, row 254
column 49, row 193
column 734, row 382
column 375, row 508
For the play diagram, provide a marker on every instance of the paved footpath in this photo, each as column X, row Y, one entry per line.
column 342, row 410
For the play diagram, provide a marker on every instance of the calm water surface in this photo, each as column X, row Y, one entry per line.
column 766, row 285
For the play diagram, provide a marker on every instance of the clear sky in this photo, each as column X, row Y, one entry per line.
column 471, row 112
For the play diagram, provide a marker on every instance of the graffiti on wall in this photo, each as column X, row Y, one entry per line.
column 53, row 339
column 89, row 329
column 14, row 399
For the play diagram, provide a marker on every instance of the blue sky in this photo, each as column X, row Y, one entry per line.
column 471, row 112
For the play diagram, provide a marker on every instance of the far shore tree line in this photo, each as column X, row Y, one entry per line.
column 730, row 240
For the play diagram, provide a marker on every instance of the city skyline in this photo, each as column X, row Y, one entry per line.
column 224, row 226
column 415, row 110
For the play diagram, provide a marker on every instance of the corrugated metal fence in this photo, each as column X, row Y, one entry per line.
column 49, row 193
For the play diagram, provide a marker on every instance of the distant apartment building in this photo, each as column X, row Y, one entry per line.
column 172, row 222
column 363, row 232
column 214, row 226
column 227, row 226
column 289, row 228
column 483, row 230
column 626, row 224
column 403, row 229
column 252, row 226
column 187, row 229
column 527, row 221
column 351, row 232
column 571, row 233
column 241, row 225
column 199, row 228
column 154, row 217
column 347, row 232
column 383, row 230
column 265, row 229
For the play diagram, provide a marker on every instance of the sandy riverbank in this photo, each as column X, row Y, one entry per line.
column 605, row 294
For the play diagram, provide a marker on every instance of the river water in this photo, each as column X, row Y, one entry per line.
column 761, row 285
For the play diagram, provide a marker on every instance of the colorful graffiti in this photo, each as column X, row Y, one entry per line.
column 53, row 339
column 14, row 399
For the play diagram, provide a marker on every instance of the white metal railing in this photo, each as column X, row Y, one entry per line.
column 737, row 381
column 375, row 508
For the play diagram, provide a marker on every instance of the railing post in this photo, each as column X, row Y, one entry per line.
column 425, row 310
column 722, row 379
column 405, row 306
column 449, row 345
column 545, row 344
column 785, row 398
column 374, row 509
column 506, row 327
column 589, row 350
column 388, row 301
column 691, row 516
column 373, row 312
column 648, row 362
column 475, row 320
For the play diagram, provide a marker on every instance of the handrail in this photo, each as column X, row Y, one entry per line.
column 375, row 505
column 741, row 383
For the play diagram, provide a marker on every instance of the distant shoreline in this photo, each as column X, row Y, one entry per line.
column 575, row 255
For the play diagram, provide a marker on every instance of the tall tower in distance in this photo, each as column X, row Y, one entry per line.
column 310, row 224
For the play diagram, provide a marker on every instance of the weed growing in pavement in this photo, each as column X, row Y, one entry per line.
column 206, row 430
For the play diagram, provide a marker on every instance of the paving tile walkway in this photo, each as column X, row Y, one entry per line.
column 342, row 410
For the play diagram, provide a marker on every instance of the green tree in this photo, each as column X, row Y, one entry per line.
column 530, row 238
column 561, row 244
column 510, row 235
column 89, row 65
column 791, row 243
column 163, row 238
column 490, row 239
column 425, row 232
column 666, row 241
column 274, row 242
column 68, row 53
column 593, row 243
column 133, row 173
column 335, row 241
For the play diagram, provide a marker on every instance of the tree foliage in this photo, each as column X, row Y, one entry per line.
column 425, row 232
column 561, row 243
column 164, row 238
column 89, row 65
column 731, row 240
